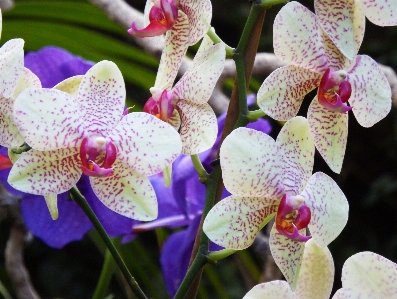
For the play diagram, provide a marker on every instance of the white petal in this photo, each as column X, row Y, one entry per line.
column 380, row 12
column 297, row 38
column 296, row 149
column 336, row 59
column 271, row 290
column 340, row 294
column 199, row 127
column 70, row 85
column 11, row 66
column 146, row 143
column 329, row 130
column 48, row 119
column 250, row 164
column 101, row 97
column 27, row 80
column 127, row 193
column 371, row 93
column 46, row 172
column 235, row 221
column 9, row 133
column 282, row 93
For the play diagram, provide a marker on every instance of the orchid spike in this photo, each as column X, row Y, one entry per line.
column 314, row 282
column 89, row 134
column 260, row 173
column 185, row 105
column 344, row 20
column 358, row 82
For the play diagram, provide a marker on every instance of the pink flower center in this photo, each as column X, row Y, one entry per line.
column 97, row 156
column 161, row 104
column 334, row 91
column 293, row 215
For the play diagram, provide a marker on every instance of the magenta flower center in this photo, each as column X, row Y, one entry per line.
column 97, row 156
column 161, row 104
column 293, row 215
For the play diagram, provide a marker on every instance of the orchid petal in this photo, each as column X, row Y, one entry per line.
column 175, row 120
column 271, row 290
column 197, row 84
column 250, row 164
column 336, row 60
column 199, row 127
column 371, row 93
column 9, row 133
column 380, row 12
column 340, row 294
column 287, row 254
column 297, row 38
column 199, row 13
column 101, row 97
column 11, row 65
column 146, row 143
column 48, row 119
column 336, row 19
column 176, row 44
column 52, row 205
column 316, row 275
column 1, row 23
column 127, row 193
column 235, row 221
column 283, row 91
column 329, row 208
column 27, row 80
column 155, row 28
column 296, row 149
column 368, row 275
column 46, row 172
column 70, row 85
column 329, row 130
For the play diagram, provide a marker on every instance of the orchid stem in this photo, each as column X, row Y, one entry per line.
column 216, row 39
column 105, row 277
column 255, row 115
column 82, row 202
column 220, row 254
column 199, row 168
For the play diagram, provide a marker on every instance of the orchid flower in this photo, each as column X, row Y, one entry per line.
column 367, row 275
column 314, row 282
column 185, row 105
column 267, row 177
column 316, row 62
column 344, row 20
column 89, row 134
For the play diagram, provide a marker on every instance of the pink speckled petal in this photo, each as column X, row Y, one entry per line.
column 70, row 85
column 175, row 120
column 11, row 66
column 282, row 93
column 287, row 254
column 329, row 208
column 48, row 119
column 46, row 172
column 340, row 294
column 296, row 149
column 371, row 93
column 329, row 130
column 297, row 38
column 101, row 96
column 316, row 275
column 368, row 275
column 197, row 84
column 199, row 13
column 234, row 221
column 175, row 47
column 199, row 127
column 27, row 80
column 336, row 18
column 9, row 133
column 127, row 193
column 146, row 143
column 271, row 290
column 251, row 165
column 336, row 60
column 380, row 12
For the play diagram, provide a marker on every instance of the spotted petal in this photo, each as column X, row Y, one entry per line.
column 9, row 133
column 368, row 275
column 282, row 93
column 296, row 149
column 27, row 80
column 70, row 85
column 235, row 221
column 329, row 208
column 101, row 97
column 48, row 119
column 46, row 172
column 146, row 143
column 127, row 193
column 11, row 66
column 250, row 164
column 199, row 127
column 340, row 294
column 371, row 93
column 271, row 290
column 297, row 38
column 329, row 130
column 380, row 12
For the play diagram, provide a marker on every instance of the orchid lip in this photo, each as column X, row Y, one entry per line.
column 161, row 104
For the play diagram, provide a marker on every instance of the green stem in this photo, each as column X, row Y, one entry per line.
column 255, row 115
column 267, row 4
column 221, row 254
column 199, row 168
column 216, row 39
column 82, row 202
column 106, row 276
